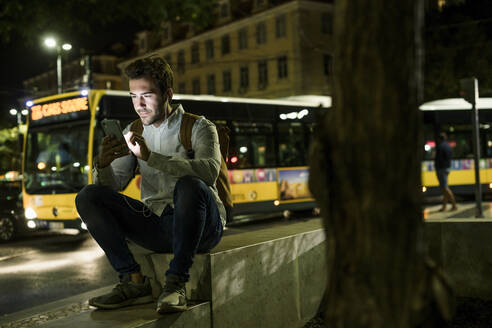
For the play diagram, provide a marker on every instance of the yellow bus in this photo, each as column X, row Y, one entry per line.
column 453, row 116
column 267, row 152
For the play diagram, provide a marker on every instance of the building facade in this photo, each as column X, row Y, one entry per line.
column 97, row 72
column 278, row 51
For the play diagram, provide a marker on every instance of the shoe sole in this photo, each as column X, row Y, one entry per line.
column 171, row 308
column 134, row 301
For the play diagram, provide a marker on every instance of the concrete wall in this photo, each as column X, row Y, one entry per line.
column 463, row 248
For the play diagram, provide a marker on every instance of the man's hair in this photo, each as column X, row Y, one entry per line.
column 443, row 136
column 154, row 68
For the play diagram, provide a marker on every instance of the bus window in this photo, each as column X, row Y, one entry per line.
column 291, row 144
column 252, row 146
column 117, row 107
column 429, row 143
column 56, row 159
column 460, row 140
column 487, row 141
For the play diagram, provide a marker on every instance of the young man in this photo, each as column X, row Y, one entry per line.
column 442, row 164
column 180, row 210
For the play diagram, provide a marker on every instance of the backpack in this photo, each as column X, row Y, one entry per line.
column 222, row 183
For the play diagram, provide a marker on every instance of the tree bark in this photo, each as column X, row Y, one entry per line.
column 365, row 170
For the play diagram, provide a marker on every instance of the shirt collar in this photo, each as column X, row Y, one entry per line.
column 176, row 113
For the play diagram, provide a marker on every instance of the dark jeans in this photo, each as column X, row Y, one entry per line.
column 193, row 226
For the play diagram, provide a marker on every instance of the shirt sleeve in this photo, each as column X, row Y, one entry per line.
column 205, row 164
column 118, row 174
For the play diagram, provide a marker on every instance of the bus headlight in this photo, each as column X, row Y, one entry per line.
column 424, row 188
column 490, row 186
column 31, row 224
column 30, row 213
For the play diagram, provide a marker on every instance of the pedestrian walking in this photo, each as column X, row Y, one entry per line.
column 442, row 164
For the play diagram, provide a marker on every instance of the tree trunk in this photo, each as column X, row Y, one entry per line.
column 365, row 170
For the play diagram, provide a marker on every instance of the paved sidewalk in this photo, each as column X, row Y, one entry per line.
column 465, row 211
column 41, row 314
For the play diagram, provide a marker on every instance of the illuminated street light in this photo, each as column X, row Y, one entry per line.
column 51, row 43
column 18, row 113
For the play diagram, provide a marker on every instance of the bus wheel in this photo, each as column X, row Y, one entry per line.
column 7, row 228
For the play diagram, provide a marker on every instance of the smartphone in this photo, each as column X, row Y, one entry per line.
column 113, row 128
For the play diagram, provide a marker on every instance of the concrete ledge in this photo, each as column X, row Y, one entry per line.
column 154, row 266
column 273, row 277
column 463, row 248
column 279, row 283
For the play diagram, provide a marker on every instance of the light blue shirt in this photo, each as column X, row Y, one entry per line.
column 168, row 162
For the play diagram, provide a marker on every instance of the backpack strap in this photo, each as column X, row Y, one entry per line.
column 187, row 122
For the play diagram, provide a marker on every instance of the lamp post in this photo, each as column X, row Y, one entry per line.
column 20, row 135
column 51, row 43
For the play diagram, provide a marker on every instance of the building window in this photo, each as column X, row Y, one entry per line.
column 282, row 71
column 262, row 74
column 224, row 10
column 226, row 44
column 327, row 64
column 326, row 23
column 209, row 49
column 280, row 27
column 261, row 33
column 226, row 81
column 181, row 61
column 243, row 38
column 211, row 84
column 196, row 86
column 244, row 77
column 182, row 87
column 195, row 54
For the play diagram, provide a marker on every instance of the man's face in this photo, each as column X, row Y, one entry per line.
column 148, row 101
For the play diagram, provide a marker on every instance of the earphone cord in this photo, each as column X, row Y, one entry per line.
column 146, row 212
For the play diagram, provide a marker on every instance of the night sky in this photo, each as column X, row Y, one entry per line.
column 18, row 63
column 21, row 59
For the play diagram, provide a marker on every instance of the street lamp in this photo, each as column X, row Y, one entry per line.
column 18, row 113
column 20, row 131
column 51, row 43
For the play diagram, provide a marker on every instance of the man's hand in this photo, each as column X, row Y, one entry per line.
column 111, row 149
column 137, row 145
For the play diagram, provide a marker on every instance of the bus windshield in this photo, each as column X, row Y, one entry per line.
column 56, row 159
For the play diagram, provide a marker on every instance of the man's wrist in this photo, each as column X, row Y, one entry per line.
column 97, row 164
